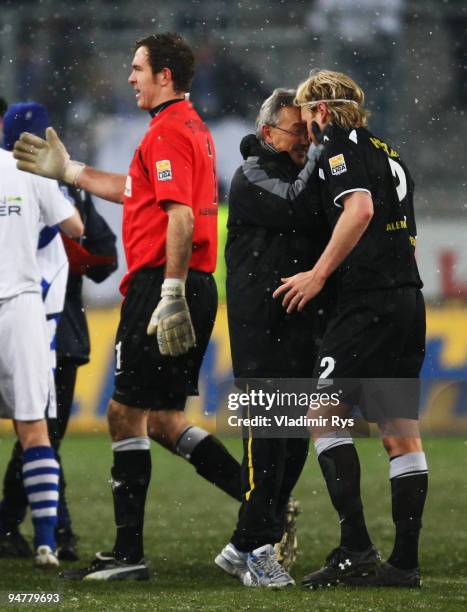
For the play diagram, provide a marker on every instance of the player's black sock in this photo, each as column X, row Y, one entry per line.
column 341, row 470
column 63, row 517
column 211, row 460
column 409, row 485
column 131, row 473
column 14, row 505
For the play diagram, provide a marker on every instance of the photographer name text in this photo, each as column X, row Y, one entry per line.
column 285, row 421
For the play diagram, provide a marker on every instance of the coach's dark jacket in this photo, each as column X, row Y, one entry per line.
column 276, row 228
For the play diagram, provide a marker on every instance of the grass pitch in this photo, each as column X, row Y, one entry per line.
column 188, row 521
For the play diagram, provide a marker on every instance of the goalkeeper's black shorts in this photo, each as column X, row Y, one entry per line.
column 143, row 377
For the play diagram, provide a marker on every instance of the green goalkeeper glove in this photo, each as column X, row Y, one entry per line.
column 47, row 158
column 171, row 320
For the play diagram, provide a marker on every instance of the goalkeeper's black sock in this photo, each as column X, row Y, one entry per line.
column 131, row 473
column 211, row 460
column 341, row 470
column 409, row 485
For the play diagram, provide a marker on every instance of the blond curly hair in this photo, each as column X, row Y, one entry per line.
column 345, row 99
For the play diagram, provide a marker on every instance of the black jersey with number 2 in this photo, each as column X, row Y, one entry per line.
column 384, row 258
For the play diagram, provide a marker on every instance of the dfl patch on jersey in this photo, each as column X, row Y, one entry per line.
column 164, row 170
column 337, row 164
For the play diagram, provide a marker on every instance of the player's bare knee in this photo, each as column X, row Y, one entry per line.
column 125, row 421
column 166, row 426
column 115, row 419
column 32, row 433
column 400, row 436
column 155, row 430
column 396, row 446
column 387, row 443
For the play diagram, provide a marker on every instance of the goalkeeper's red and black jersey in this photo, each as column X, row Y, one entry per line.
column 384, row 258
column 175, row 162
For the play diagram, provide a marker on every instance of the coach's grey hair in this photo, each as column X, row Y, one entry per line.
column 269, row 111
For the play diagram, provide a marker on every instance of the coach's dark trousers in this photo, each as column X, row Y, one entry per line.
column 270, row 470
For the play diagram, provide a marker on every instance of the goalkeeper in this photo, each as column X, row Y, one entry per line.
column 169, row 235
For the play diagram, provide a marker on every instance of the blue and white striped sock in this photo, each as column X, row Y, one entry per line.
column 41, row 473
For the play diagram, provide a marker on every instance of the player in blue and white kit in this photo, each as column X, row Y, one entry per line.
column 69, row 342
column 26, row 382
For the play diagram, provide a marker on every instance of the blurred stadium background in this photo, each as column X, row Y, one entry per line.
column 409, row 55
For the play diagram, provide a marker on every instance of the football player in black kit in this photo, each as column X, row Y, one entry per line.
column 377, row 332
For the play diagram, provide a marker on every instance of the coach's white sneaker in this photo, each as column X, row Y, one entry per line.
column 46, row 558
column 234, row 562
column 266, row 569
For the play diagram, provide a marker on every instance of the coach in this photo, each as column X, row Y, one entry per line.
column 274, row 227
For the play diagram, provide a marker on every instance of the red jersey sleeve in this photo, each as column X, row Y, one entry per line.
column 169, row 158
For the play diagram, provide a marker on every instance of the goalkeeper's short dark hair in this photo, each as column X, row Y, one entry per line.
column 169, row 50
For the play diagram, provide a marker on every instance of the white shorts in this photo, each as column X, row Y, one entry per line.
column 26, row 376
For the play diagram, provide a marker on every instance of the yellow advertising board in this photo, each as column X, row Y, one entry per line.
column 444, row 397
column 444, row 389
column 444, row 386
